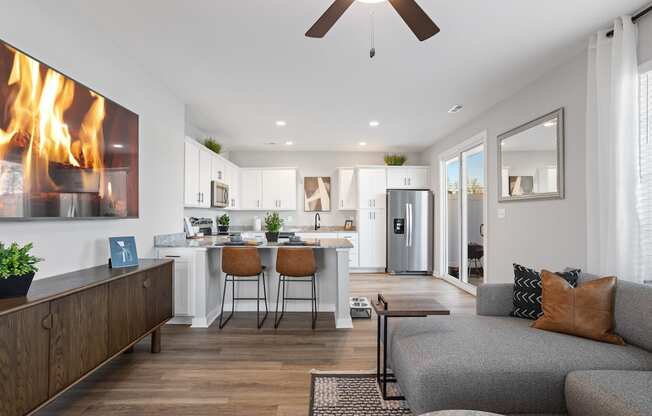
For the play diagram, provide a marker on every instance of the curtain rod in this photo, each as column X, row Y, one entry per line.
column 635, row 18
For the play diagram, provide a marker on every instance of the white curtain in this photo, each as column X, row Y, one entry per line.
column 612, row 146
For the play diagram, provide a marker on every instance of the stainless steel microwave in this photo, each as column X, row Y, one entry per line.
column 219, row 194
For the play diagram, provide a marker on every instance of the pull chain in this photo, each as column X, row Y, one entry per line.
column 372, row 51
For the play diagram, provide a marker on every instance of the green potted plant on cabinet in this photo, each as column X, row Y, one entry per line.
column 223, row 222
column 395, row 160
column 273, row 225
column 213, row 145
column 17, row 269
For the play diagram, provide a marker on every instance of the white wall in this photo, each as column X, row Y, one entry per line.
column 550, row 234
column 308, row 164
column 545, row 233
column 71, row 46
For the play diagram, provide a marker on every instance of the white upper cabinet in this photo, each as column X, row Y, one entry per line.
column 280, row 189
column 197, row 177
column 251, row 189
column 372, row 187
column 219, row 169
column 408, row 177
column 233, row 179
column 346, row 188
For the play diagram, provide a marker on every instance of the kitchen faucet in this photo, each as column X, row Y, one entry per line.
column 317, row 221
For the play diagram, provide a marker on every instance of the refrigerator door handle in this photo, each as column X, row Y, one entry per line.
column 407, row 225
column 410, row 224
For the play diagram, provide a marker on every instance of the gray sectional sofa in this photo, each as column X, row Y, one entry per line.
column 495, row 363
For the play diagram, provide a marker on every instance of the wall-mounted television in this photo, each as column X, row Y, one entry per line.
column 66, row 151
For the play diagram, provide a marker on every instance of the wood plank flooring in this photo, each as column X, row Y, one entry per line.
column 241, row 370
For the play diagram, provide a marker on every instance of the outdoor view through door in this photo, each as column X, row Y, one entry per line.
column 464, row 207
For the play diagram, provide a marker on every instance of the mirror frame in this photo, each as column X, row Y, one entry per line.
column 561, row 129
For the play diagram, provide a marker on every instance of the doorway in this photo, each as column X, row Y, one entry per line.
column 463, row 231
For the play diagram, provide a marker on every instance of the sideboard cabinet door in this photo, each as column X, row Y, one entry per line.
column 160, row 296
column 79, row 336
column 24, row 346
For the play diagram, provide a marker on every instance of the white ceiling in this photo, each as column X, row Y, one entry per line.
column 241, row 65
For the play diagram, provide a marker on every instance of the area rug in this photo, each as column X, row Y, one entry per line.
column 352, row 394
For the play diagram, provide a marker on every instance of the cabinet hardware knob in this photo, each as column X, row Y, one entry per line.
column 47, row 321
column 147, row 283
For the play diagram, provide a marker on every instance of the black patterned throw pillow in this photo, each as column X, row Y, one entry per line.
column 527, row 290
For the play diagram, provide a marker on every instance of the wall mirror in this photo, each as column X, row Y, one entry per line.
column 531, row 160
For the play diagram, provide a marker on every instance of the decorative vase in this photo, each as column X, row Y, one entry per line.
column 16, row 286
column 271, row 237
column 223, row 229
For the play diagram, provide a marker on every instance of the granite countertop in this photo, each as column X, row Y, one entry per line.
column 180, row 241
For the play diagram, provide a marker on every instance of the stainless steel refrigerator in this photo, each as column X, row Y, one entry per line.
column 410, row 219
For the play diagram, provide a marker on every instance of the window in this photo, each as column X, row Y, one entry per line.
column 645, row 190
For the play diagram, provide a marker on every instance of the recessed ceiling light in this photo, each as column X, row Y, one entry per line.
column 456, row 108
column 551, row 123
column 281, row 123
column 289, row 143
column 270, row 143
column 363, row 143
column 371, row 1
column 118, row 146
column 374, row 123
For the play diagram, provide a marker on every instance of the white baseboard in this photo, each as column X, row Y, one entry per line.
column 344, row 323
column 180, row 320
column 366, row 270
column 205, row 322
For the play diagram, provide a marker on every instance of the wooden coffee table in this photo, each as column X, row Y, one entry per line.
column 398, row 307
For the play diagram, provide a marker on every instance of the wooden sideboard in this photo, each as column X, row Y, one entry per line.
column 70, row 325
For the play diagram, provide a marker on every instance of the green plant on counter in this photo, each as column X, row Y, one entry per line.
column 224, row 220
column 395, row 160
column 273, row 222
column 213, row 145
column 15, row 261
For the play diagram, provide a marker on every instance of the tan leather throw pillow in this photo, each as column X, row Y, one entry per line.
column 585, row 311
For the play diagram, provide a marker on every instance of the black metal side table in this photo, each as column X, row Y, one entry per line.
column 398, row 307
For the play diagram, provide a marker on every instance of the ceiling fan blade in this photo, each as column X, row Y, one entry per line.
column 416, row 19
column 328, row 19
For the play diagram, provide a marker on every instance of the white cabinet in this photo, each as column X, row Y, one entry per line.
column 346, row 188
column 183, row 282
column 251, row 189
column 219, row 169
column 353, row 253
column 408, row 177
column 197, row 175
column 371, row 234
column 280, row 189
column 233, row 179
column 372, row 187
column 268, row 189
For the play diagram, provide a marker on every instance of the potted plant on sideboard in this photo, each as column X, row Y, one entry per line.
column 17, row 269
column 273, row 225
column 223, row 222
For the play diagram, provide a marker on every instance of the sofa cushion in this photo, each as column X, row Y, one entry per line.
column 633, row 312
column 586, row 311
column 609, row 393
column 494, row 364
column 527, row 290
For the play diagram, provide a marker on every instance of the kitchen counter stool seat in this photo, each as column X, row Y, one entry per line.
column 242, row 264
column 295, row 265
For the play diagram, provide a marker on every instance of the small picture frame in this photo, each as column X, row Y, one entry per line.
column 348, row 225
column 123, row 252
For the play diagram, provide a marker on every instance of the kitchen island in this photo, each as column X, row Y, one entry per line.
column 199, row 280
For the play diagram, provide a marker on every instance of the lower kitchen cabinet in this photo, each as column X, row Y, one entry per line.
column 24, row 360
column 79, row 336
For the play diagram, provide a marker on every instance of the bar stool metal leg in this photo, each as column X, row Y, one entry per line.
column 258, row 299
column 222, row 323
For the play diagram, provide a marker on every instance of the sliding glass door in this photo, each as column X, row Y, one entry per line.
column 464, row 215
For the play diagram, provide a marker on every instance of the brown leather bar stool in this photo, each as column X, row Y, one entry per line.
column 295, row 265
column 240, row 264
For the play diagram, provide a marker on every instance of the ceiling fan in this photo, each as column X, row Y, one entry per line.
column 412, row 14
